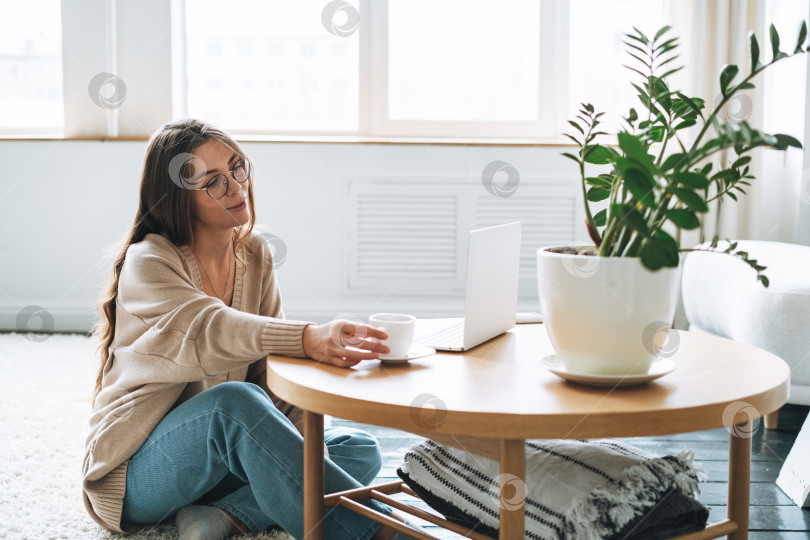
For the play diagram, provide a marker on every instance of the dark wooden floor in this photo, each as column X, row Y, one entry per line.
column 772, row 516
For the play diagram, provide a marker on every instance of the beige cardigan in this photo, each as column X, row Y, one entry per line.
column 173, row 341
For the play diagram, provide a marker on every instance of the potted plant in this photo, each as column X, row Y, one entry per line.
column 605, row 303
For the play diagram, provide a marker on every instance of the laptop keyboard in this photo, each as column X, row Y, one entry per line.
column 450, row 337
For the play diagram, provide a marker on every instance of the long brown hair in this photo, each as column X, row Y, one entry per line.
column 164, row 208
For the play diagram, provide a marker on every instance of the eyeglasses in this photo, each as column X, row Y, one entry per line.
column 217, row 187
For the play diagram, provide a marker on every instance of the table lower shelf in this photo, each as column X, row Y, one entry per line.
column 381, row 493
column 512, row 461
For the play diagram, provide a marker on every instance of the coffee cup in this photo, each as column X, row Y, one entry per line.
column 400, row 329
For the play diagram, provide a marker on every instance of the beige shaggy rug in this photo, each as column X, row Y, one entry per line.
column 45, row 386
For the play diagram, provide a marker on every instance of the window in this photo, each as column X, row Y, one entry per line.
column 465, row 68
column 597, row 54
column 378, row 68
column 465, row 61
column 31, row 67
column 276, row 67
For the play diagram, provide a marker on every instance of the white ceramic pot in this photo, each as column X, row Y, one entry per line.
column 606, row 315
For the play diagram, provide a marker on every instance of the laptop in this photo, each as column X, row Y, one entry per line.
column 493, row 262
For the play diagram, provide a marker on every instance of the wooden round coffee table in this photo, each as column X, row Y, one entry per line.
column 491, row 399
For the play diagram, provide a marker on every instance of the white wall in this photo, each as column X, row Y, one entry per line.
column 63, row 202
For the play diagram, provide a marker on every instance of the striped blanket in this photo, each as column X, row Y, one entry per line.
column 582, row 489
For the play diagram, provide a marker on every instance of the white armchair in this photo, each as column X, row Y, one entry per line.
column 722, row 296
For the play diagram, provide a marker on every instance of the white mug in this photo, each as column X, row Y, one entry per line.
column 400, row 329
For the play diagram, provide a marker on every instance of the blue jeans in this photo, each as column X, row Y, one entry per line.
column 230, row 447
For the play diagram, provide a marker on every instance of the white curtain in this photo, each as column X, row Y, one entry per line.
column 714, row 33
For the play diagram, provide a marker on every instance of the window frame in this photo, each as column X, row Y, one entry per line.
column 103, row 34
column 373, row 121
column 551, row 96
column 50, row 130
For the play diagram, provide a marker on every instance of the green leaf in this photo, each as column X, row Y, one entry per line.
column 573, row 139
column 696, row 104
column 637, row 38
column 668, row 43
column 642, row 94
column 600, row 218
column 576, row 126
column 661, row 93
column 685, row 124
column 801, row 38
column 599, row 181
column 725, row 173
column 636, row 70
column 775, row 42
column 692, row 179
column 633, row 148
column 640, row 59
column 628, row 215
column 753, row 46
column 729, row 72
column 671, row 71
column 598, row 154
column 653, row 256
column 784, row 141
column 571, row 156
column 667, row 239
column 661, row 32
column 684, row 219
column 656, row 133
column 743, row 160
column 672, row 161
column 636, row 47
column 659, row 251
column 641, row 35
column 640, row 185
column 690, row 199
column 596, row 194
column 746, row 132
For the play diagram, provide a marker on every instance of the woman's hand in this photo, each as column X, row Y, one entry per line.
column 330, row 342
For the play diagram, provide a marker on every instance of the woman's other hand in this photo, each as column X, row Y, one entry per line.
column 330, row 342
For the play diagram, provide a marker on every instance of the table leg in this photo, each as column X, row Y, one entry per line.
column 513, row 489
column 313, row 476
column 739, row 478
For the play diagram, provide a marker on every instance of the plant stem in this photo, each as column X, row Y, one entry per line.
column 623, row 239
column 631, row 250
column 706, row 121
column 604, row 249
column 588, row 215
column 664, row 145
column 728, row 96
column 611, row 222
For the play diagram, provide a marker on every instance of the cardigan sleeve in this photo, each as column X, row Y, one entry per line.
column 271, row 306
column 184, row 324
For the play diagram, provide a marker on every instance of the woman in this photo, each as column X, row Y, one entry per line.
column 183, row 423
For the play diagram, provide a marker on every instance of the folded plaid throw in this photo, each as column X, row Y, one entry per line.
column 583, row 489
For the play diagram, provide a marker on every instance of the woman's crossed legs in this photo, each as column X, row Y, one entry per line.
column 230, row 447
